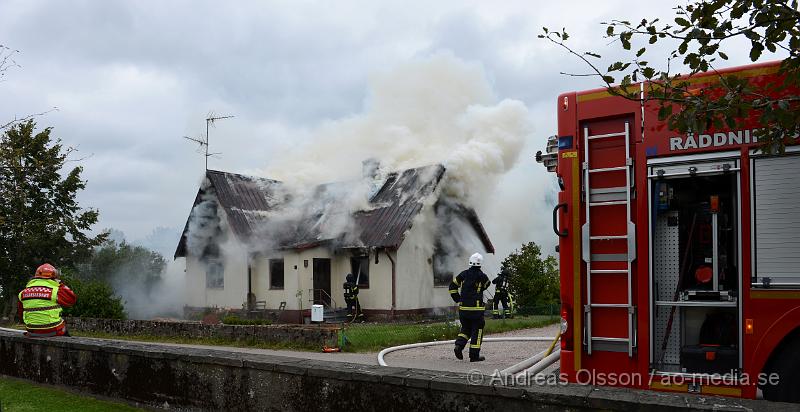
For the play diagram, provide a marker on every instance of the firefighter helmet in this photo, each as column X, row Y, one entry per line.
column 476, row 260
column 46, row 271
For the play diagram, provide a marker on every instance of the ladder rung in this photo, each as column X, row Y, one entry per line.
column 611, row 203
column 608, row 169
column 601, row 136
column 607, row 190
column 609, row 305
column 608, row 237
column 605, row 339
column 602, row 271
column 608, row 257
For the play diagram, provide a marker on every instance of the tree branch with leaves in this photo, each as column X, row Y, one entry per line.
column 700, row 31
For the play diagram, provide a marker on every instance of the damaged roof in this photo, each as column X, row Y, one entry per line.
column 244, row 199
column 391, row 212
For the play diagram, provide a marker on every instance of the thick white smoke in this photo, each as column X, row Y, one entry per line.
column 435, row 110
column 206, row 222
column 164, row 298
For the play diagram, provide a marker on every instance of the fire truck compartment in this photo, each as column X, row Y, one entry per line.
column 776, row 222
column 695, row 267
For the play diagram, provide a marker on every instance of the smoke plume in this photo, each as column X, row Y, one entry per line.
column 435, row 110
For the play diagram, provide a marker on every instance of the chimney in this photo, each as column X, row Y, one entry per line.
column 370, row 168
column 371, row 173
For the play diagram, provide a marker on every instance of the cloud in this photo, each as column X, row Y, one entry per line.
column 132, row 78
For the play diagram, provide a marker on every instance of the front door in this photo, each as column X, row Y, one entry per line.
column 322, row 282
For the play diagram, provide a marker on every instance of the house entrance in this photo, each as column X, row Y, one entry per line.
column 322, row 282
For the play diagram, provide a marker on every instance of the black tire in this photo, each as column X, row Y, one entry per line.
column 786, row 364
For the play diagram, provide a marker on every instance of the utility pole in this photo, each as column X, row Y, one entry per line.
column 210, row 120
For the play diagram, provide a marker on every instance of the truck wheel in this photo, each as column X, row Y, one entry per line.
column 787, row 365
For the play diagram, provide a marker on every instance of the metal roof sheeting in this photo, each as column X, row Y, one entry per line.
column 394, row 206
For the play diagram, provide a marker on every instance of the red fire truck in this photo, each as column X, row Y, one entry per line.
column 679, row 253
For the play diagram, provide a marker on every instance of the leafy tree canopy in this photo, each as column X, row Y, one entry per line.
column 96, row 299
column 699, row 33
column 134, row 264
column 532, row 280
column 40, row 218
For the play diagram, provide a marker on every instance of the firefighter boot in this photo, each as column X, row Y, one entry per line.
column 459, row 351
column 477, row 359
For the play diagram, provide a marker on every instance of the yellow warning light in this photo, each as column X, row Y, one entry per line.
column 748, row 326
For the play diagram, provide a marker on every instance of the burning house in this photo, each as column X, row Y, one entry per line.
column 254, row 242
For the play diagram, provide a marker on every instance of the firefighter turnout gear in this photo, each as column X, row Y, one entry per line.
column 467, row 289
column 502, row 296
column 351, row 298
column 40, row 305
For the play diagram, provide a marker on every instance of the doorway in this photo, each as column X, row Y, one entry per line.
column 322, row 282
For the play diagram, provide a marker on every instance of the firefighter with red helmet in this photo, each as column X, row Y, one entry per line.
column 41, row 302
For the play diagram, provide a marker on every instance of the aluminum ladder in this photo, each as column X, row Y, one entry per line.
column 599, row 198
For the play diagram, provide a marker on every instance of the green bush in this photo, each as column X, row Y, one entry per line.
column 96, row 299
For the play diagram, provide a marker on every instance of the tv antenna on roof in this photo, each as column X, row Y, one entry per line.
column 210, row 121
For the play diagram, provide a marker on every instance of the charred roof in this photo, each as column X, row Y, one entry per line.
column 247, row 202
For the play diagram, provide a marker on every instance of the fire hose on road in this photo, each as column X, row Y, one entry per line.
column 532, row 365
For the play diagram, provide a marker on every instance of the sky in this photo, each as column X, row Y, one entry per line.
column 131, row 78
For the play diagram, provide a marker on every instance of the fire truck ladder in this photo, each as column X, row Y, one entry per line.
column 598, row 198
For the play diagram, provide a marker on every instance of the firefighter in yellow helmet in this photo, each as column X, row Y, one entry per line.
column 467, row 290
column 41, row 302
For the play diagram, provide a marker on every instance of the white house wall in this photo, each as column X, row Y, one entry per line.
column 414, row 282
column 379, row 293
column 415, row 265
column 415, row 288
column 234, row 291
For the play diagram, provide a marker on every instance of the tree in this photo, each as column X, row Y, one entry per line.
column 532, row 280
column 96, row 299
column 40, row 219
column 699, row 32
column 123, row 264
column 7, row 63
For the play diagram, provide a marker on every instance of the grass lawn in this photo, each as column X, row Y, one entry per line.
column 371, row 337
column 22, row 396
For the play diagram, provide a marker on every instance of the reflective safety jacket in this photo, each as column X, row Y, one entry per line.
column 467, row 289
column 350, row 290
column 41, row 304
column 501, row 284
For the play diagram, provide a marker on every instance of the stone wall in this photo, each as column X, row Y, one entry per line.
column 215, row 379
column 311, row 335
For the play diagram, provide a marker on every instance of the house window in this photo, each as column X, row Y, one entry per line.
column 276, row 273
column 360, row 264
column 442, row 273
column 215, row 275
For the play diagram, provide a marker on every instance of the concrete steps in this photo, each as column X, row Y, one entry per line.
column 335, row 315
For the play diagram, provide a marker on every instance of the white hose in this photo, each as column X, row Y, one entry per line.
column 543, row 364
column 12, row 330
column 527, row 363
column 386, row 351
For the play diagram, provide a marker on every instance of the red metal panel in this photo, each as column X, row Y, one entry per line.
column 774, row 313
